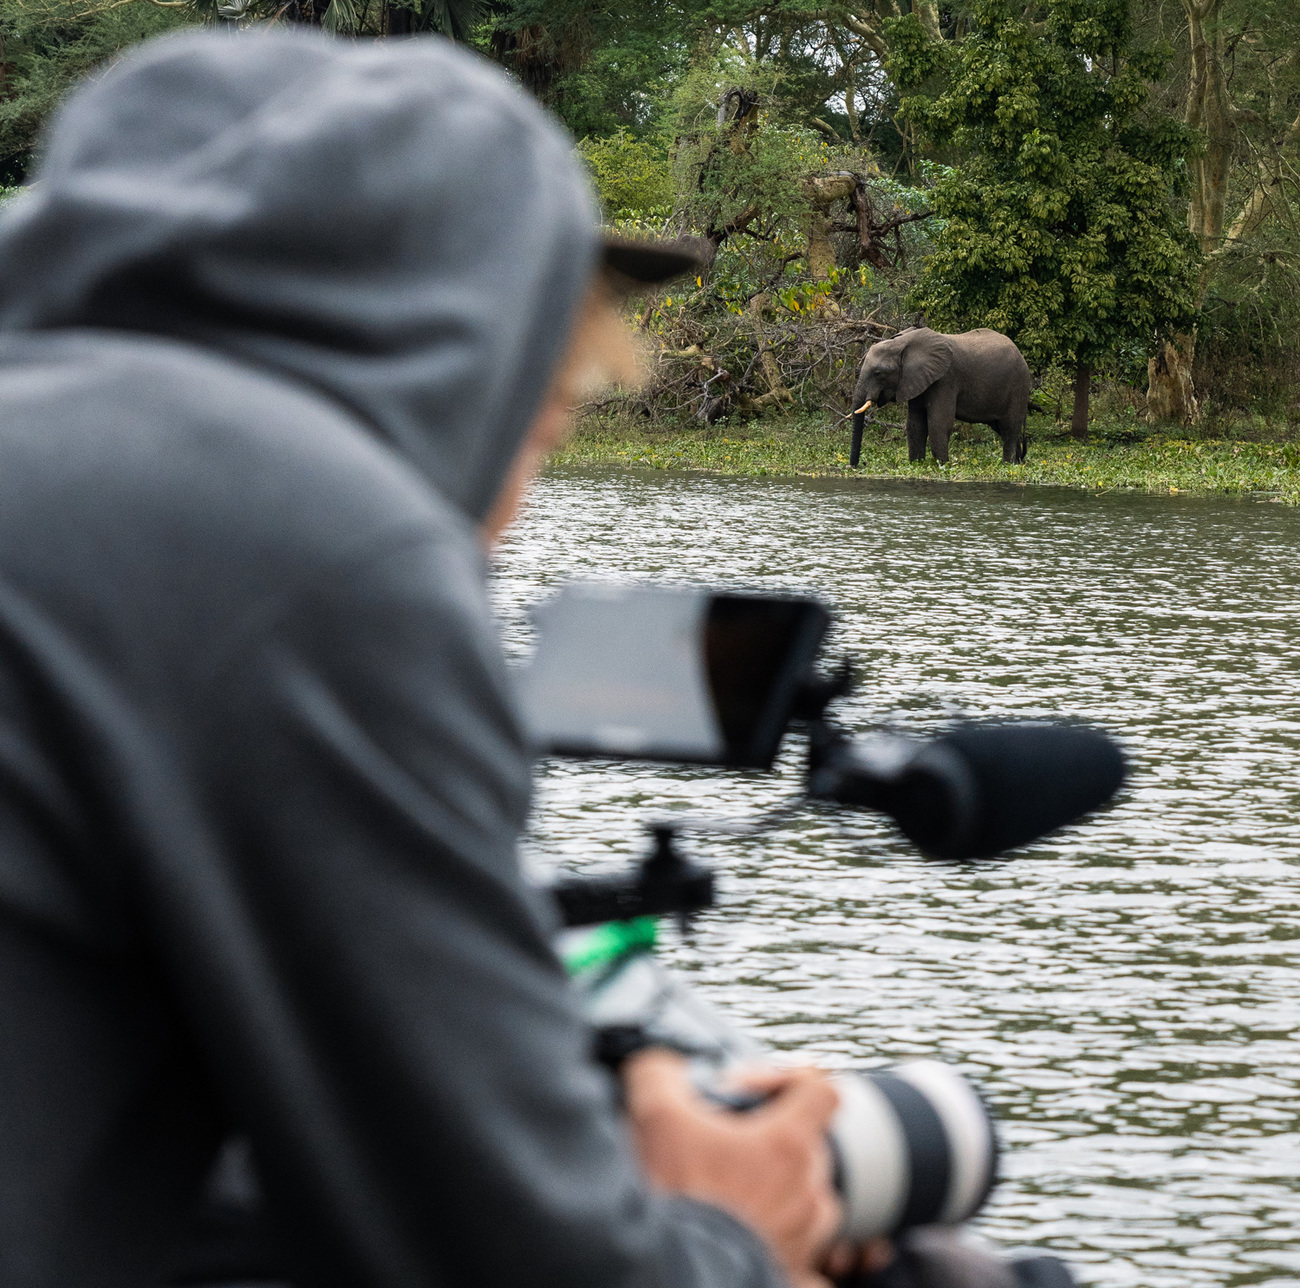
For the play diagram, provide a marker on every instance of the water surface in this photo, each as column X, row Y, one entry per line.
column 1126, row 993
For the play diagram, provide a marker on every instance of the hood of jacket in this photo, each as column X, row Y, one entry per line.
column 392, row 222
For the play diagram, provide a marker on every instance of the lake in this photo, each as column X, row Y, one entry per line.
column 1126, row 992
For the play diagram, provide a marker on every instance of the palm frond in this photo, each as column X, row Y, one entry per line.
column 342, row 17
column 455, row 19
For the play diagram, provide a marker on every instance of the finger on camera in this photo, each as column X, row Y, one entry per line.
column 803, row 1095
column 827, row 1226
column 859, row 1258
column 767, row 1078
column 657, row 1077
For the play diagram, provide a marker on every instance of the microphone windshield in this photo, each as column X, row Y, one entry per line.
column 986, row 788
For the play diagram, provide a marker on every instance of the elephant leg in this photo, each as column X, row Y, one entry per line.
column 916, row 430
column 940, row 417
column 1013, row 442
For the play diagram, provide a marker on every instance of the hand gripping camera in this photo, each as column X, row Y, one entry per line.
column 912, row 1145
column 689, row 675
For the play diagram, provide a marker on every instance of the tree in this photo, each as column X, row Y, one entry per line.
column 1060, row 224
column 610, row 66
column 452, row 18
column 46, row 45
column 601, row 68
column 1242, row 100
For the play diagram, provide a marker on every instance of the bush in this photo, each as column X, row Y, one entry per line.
column 1247, row 358
column 48, row 46
column 633, row 177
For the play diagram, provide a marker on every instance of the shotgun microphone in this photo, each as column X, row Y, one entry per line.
column 979, row 790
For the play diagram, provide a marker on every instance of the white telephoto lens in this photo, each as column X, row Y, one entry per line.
column 972, row 1144
column 914, row 1146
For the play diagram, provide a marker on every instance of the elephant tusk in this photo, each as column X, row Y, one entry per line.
column 863, row 408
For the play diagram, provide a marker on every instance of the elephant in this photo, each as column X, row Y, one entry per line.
column 978, row 377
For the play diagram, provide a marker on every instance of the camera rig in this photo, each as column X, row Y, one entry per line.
column 979, row 790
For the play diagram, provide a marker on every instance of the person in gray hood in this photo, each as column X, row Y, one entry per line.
column 274, row 323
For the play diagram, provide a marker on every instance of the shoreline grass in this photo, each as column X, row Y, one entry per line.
column 799, row 445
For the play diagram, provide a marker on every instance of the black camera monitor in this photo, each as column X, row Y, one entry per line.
column 668, row 673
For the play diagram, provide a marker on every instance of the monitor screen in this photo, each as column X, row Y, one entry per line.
column 668, row 673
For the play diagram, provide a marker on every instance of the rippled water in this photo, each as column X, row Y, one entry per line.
column 1127, row 994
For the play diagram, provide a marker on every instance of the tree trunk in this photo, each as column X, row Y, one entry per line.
column 927, row 13
column 1170, row 394
column 777, row 392
column 822, row 192
column 821, row 250
column 1082, row 388
column 1170, row 391
column 397, row 20
column 851, row 100
column 1209, row 111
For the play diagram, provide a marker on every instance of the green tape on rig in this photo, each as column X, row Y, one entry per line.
column 605, row 945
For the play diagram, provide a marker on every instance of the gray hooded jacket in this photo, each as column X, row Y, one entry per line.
column 272, row 324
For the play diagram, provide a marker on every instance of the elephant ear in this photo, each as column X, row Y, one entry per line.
column 926, row 358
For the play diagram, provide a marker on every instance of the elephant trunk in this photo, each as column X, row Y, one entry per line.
column 863, row 399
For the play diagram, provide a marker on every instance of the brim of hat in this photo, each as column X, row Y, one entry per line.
column 647, row 263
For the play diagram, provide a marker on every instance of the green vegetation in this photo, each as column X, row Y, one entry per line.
column 1116, row 183
column 46, row 45
column 1120, row 454
column 632, row 175
column 1059, row 223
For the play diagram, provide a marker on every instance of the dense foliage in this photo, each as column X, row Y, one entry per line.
column 47, row 44
column 1031, row 167
column 1087, row 197
column 1060, row 223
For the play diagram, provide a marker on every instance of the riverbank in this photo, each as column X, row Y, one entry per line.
column 1148, row 462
